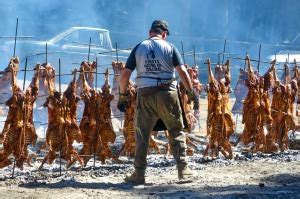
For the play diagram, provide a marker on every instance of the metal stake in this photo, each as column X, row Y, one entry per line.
column 258, row 63
column 97, row 122
column 25, row 74
column 117, row 52
column 182, row 52
column 194, row 55
column 15, row 44
column 59, row 79
column 224, row 50
column 89, row 49
column 46, row 53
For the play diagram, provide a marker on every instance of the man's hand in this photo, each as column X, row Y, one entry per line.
column 123, row 102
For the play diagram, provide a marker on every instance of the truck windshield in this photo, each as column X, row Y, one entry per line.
column 82, row 37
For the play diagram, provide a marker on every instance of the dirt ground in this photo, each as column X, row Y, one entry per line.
column 250, row 175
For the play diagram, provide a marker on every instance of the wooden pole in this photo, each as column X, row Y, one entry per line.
column 16, row 34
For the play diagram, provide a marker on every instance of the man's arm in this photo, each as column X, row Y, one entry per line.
column 124, row 79
column 185, row 78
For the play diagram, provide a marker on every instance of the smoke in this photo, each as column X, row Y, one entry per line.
column 204, row 24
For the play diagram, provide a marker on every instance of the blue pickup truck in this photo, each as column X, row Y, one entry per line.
column 71, row 46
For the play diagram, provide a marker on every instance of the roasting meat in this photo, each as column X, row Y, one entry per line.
column 56, row 136
column 89, row 70
column 5, row 79
column 105, row 130
column 240, row 92
column 256, row 110
column 72, row 100
column 88, row 124
column 19, row 131
column 220, row 124
column 13, row 131
column 282, row 111
column 117, row 67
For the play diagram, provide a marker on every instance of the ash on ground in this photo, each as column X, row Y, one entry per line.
column 248, row 175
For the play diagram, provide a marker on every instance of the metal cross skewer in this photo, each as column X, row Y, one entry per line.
column 224, row 50
column 15, row 44
column 117, row 56
column 245, row 62
column 89, row 49
column 46, row 53
column 194, row 55
column 97, row 120
column 25, row 74
column 182, row 52
column 258, row 63
column 59, row 79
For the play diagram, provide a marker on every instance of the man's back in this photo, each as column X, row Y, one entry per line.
column 155, row 60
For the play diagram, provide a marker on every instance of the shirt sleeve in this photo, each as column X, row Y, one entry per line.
column 131, row 61
column 177, row 59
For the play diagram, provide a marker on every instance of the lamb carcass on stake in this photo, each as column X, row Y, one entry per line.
column 220, row 124
column 56, row 136
column 240, row 92
column 257, row 110
column 106, row 131
column 89, row 70
column 72, row 100
column 19, row 131
column 5, row 79
column 88, row 124
column 13, row 131
column 197, row 87
column 117, row 67
column 282, row 110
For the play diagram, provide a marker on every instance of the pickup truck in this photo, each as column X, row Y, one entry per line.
column 71, row 46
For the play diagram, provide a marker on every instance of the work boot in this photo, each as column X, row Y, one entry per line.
column 185, row 173
column 135, row 178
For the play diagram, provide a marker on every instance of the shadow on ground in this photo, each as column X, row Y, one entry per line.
column 276, row 186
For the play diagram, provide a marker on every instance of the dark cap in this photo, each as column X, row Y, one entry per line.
column 160, row 24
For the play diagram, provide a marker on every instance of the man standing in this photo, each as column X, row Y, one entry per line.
column 155, row 61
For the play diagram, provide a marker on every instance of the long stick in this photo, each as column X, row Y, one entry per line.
column 245, row 62
column 59, row 79
column 224, row 50
column 89, row 49
column 182, row 52
column 117, row 55
column 46, row 53
column 258, row 63
column 15, row 44
column 25, row 74
column 194, row 55
column 97, row 122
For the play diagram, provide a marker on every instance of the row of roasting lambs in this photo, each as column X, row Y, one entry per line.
column 266, row 124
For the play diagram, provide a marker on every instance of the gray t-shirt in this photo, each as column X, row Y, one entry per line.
column 155, row 60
